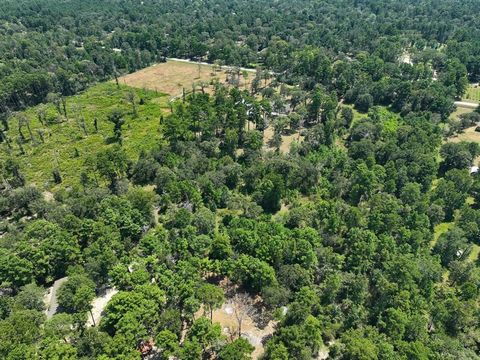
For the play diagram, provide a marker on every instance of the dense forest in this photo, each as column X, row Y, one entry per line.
column 359, row 241
column 63, row 46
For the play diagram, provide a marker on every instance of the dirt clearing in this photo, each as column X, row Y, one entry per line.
column 251, row 331
column 469, row 134
column 173, row 76
column 287, row 140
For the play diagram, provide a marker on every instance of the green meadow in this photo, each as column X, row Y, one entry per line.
column 70, row 142
column 473, row 93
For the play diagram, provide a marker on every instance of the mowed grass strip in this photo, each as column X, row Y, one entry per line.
column 469, row 134
column 68, row 148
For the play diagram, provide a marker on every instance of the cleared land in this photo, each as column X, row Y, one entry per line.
column 469, row 134
column 439, row 230
column 65, row 144
column 62, row 143
column 287, row 140
column 173, row 76
column 225, row 316
column 459, row 111
column 473, row 92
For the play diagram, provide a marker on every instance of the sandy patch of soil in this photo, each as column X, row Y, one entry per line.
column 225, row 316
column 287, row 140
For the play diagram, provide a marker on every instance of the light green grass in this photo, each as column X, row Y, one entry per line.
column 357, row 115
column 472, row 93
column 63, row 140
column 474, row 253
column 439, row 230
column 459, row 111
column 443, row 228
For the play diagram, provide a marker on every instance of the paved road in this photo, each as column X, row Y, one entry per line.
column 51, row 297
column 98, row 305
column 224, row 67
column 466, row 104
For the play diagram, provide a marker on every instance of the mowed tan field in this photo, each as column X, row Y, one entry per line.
column 173, row 76
column 469, row 134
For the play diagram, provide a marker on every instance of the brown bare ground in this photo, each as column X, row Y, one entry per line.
column 287, row 140
column 226, row 318
column 172, row 76
column 469, row 134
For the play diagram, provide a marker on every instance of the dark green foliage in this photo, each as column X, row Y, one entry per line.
column 240, row 349
column 458, row 155
column 342, row 239
column 76, row 294
column 269, row 193
column 112, row 165
column 252, row 273
column 57, row 177
column 364, row 102
column 452, row 246
column 116, row 117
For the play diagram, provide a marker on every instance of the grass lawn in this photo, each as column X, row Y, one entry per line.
column 468, row 134
column 473, row 93
column 357, row 115
column 474, row 254
column 68, row 148
column 459, row 111
column 443, row 228
column 439, row 230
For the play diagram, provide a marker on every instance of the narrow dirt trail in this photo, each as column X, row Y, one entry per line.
column 223, row 67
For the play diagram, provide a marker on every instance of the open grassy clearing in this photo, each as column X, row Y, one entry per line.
column 173, row 76
column 357, row 115
column 474, row 253
column 469, row 134
column 287, row 140
column 439, row 230
column 473, row 92
column 459, row 111
column 68, row 148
